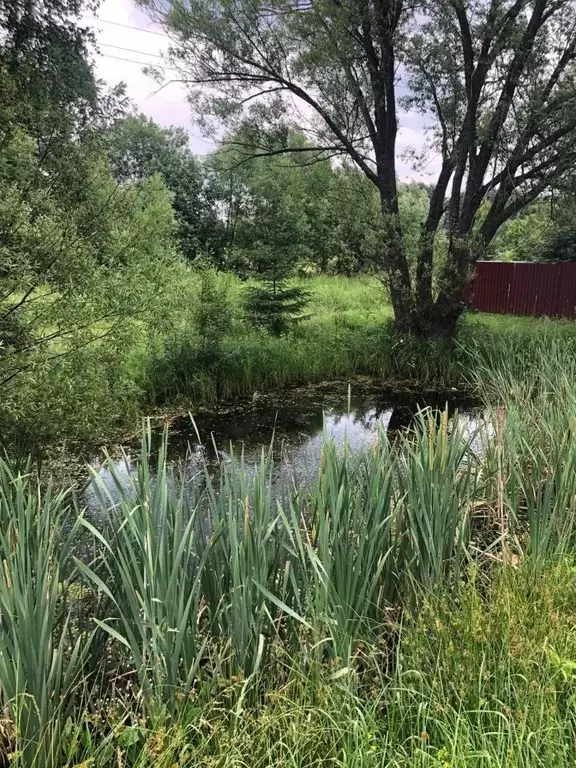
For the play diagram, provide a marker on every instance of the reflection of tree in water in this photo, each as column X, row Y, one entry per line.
column 297, row 426
column 299, row 419
column 401, row 418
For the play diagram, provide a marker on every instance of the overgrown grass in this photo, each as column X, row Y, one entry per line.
column 416, row 608
column 347, row 331
column 482, row 677
column 343, row 333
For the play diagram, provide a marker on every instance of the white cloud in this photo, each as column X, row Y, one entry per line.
column 128, row 41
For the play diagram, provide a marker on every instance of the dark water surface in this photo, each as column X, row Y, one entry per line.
column 296, row 419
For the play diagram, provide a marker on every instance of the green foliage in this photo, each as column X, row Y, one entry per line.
column 270, row 237
column 139, row 148
column 43, row 650
column 151, row 577
column 561, row 246
column 482, row 677
column 523, row 237
column 347, row 330
column 532, row 456
column 349, row 312
column 488, row 80
column 542, row 232
column 275, row 305
column 356, row 237
column 241, row 617
column 44, row 63
column 83, row 259
column 331, row 213
column 84, row 266
column 212, row 313
column 413, row 202
column 417, row 606
column 267, row 205
column 478, row 672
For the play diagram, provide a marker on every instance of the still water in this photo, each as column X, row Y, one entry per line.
column 296, row 420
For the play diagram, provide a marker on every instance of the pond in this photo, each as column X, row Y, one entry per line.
column 296, row 420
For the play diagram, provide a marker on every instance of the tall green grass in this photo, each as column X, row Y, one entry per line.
column 348, row 331
column 484, row 676
column 149, row 570
column 530, row 460
column 42, row 647
column 415, row 607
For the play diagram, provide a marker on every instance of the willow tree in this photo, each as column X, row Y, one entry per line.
column 494, row 78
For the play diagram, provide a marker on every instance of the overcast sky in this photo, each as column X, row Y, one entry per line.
column 128, row 40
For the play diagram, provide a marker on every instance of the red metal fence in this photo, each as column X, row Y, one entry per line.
column 523, row 288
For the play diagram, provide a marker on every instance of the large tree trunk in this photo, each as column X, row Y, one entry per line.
column 451, row 300
column 433, row 320
column 394, row 260
column 442, row 321
column 438, row 324
column 425, row 317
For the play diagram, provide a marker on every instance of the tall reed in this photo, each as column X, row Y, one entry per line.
column 150, row 569
column 245, row 556
column 42, row 647
column 436, row 479
column 531, row 456
column 238, row 562
column 342, row 542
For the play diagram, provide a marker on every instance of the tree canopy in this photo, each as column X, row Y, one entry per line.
column 138, row 148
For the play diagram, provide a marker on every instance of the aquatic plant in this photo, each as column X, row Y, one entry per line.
column 205, row 601
column 43, row 648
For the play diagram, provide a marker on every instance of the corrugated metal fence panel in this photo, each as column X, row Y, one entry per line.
column 567, row 290
column 523, row 288
column 534, row 290
column 492, row 286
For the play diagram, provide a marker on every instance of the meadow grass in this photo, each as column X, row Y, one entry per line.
column 342, row 333
column 347, row 330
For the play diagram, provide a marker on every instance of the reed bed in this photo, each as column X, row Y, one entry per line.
column 415, row 607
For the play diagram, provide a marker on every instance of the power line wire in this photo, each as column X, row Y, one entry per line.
column 162, row 66
column 144, row 53
column 130, row 50
column 128, row 26
column 141, row 63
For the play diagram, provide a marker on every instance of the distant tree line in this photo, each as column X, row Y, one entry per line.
column 262, row 215
column 545, row 231
column 269, row 218
column 230, row 205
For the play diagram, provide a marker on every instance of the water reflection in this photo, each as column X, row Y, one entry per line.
column 297, row 420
